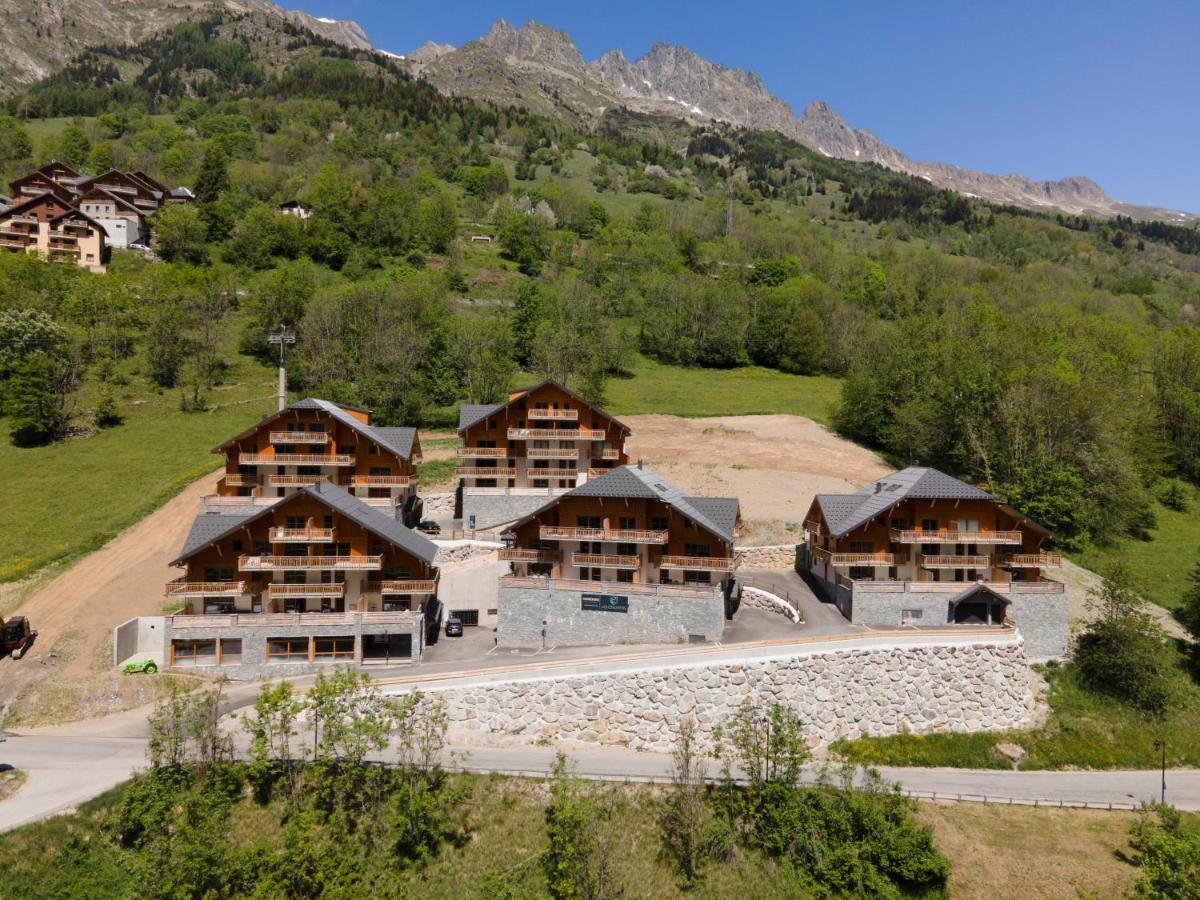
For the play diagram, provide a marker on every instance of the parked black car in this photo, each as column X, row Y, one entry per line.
column 454, row 627
column 429, row 527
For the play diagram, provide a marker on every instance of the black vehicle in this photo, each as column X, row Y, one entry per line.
column 429, row 527
column 454, row 627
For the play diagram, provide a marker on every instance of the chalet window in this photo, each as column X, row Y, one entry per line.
column 541, row 464
column 308, row 470
column 331, row 649
column 490, row 443
column 397, row 573
column 688, row 523
column 627, row 549
column 862, row 547
column 186, row 653
column 376, row 548
column 316, row 427
column 329, row 521
column 294, row 604
column 627, row 523
column 218, row 606
column 222, row 574
column 296, row 521
column 696, row 577
column 659, row 523
column 625, row 576
column 929, row 524
column 341, row 549
column 587, row 522
column 491, row 424
column 862, row 573
column 900, row 523
column 328, row 577
column 287, row 649
column 378, row 492
column 295, row 550
column 231, row 652
column 967, row 524
column 294, row 577
column 237, row 546
column 346, row 449
column 930, row 549
column 696, row 550
column 401, row 603
column 262, row 548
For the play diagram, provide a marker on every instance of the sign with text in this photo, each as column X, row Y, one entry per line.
column 605, row 603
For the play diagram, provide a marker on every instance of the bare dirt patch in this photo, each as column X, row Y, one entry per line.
column 67, row 673
column 774, row 465
column 10, row 782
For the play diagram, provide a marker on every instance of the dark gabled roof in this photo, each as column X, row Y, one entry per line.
column 973, row 590
column 211, row 527
column 397, row 440
column 78, row 213
column 111, row 196
column 183, row 192
column 716, row 514
column 470, row 413
column 57, row 163
column 39, row 198
column 845, row 512
column 153, row 182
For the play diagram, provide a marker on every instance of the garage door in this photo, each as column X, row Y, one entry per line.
column 466, row 616
column 382, row 647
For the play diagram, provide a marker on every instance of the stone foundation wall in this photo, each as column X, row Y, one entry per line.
column 905, row 687
column 652, row 618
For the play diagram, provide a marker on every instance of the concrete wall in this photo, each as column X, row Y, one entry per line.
column 942, row 684
column 652, row 618
column 493, row 510
column 143, row 634
column 254, row 645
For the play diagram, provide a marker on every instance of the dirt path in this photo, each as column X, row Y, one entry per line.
column 68, row 670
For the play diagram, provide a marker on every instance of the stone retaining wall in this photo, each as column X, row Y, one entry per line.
column 777, row 556
column 920, row 688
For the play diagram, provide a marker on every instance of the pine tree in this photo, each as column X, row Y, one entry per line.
column 214, row 175
column 1189, row 610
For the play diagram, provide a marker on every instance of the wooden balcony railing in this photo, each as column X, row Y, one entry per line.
column 276, row 620
column 481, row 452
column 280, row 535
column 403, row 586
column 699, row 563
column 384, row 480
column 619, row 535
column 562, row 434
column 296, row 459
column 299, row 437
column 180, row 588
column 235, row 480
column 551, row 453
column 562, row 415
column 605, row 561
column 293, row 563
column 485, row 472
column 278, row 591
column 521, row 554
column 1033, row 560
column 955, row 562
column 594, row 472
column 909, row 536
column 846, row 560
column 812, row 526
column 608, row 587
column 293, row 480
column 609, row 454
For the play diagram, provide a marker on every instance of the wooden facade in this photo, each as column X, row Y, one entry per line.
column 54, row 229
column 302, row 556
column 930, row 539
column 306, row 444
column 544, row 437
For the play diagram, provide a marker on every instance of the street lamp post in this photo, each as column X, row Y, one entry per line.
column 1162, row 791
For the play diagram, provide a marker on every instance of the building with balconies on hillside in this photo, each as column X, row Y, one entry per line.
column 313, row 441
column 541, row 442
column 50, row 226
column 625, row 557
column 319, row 577
column 921, row 548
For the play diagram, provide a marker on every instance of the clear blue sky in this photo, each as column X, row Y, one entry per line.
column 1048, row 89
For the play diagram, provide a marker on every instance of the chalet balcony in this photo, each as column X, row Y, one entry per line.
column 699, row 563
column 275, row 620
column 551, row 453
column 384, row 480
column 485, row 472
column 284, row 591
column 846, row 560
column 618, row 535
column 543, row 472
column 561, row 415
column 238, row 480
column 308, row 563
column 813, row 527
column 64, row 240
column 606, row 561
column 560, row 434
column 481, row 452
column 293, row 480
column 296, row 459
column 280, row 535
column 403, row 586
column 299, row 437
column 1033, row 561
column 608, row 454
column 955, row 562
column 17, row 242
column 597, row 472
column 521, row 554
column 908, row 536
column 181, row 588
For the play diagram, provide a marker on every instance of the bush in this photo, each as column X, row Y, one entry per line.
column 1120, row 653
column 1169, row 854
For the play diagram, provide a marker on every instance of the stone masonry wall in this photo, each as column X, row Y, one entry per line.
column 651, row 618
column 777, row 556
column 918, row 688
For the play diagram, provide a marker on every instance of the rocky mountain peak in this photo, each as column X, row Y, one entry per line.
column 534, row 42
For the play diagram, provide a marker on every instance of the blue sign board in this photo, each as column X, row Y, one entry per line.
column 605, row 603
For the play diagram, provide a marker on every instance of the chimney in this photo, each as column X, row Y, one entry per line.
column 878, row 486
column 639, row 463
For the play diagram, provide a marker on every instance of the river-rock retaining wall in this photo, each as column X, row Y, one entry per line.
column 942, row 685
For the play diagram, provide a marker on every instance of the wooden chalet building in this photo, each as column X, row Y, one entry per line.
column 54, row 229
column 541, row 441
column 919, row 547
column 317, row 577
column 313, row 441
column 627, row 556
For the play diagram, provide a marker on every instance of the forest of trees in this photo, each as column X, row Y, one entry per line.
column 1055, row 358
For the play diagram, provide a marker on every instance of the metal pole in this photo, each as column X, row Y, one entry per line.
column 284, row 338
column 1162, row 797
